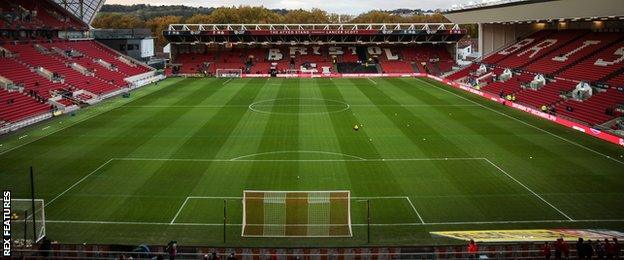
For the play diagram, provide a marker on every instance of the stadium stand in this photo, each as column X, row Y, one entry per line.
column 547, row 95
column 39, row 65
column 567, row 57
column 36, row 15
column 598, row 66
column 594, row 110
column 537, row 49
column 464, row 72
column 517, row 47
column 511, row 86
column 15, row 106
column 431, row 58
column 23, row 75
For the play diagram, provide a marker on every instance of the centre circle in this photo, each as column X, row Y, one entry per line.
column 299, row 106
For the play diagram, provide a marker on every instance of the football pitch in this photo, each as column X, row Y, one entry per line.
column 168, row 162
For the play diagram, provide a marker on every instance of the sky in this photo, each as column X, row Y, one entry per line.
column 339, row 6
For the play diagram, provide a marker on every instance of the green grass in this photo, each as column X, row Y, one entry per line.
column 120, row 172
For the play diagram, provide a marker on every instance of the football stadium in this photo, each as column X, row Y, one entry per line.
column 495, row 133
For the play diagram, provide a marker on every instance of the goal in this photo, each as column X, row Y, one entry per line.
column 28, row 224
column 229, row 73
column 296, row 214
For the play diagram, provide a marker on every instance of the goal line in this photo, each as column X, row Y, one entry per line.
column 296, row 214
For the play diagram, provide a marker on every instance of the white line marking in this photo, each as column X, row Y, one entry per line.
column 352, row 198
column 98, row 112
column 412, row 196
column 344, row 160
column 21, row 137
column 356, row 224
column 529, row 189
column 414, row 208
column 525, row 123
column 345, row 106
column 371, row 80
column 352, row 105
column 217, row 197
column 78, row 182
column 298, row 151
column 298, row 160
column 294, row 191
column 57, row 130
column 45, row 128
column 226, row 82
column 179, row 210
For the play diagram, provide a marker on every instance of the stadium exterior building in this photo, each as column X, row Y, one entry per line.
column 136, row 43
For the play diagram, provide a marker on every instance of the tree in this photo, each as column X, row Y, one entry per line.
column 117, row 21
column 157, row 18
column 159, row 24
column 377, row 17
column 303, row 16
column 199, row 18
column 260, row 14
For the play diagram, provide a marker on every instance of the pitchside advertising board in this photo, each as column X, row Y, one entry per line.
column 6, row 223
column 530, row 235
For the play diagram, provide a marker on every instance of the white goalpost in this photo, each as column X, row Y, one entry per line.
column 28, row 223
column 296, row 214
column 229, row 73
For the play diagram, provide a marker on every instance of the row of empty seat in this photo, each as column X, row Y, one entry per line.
column 15, row 106
column 566, row 57
column 35, row 15
column 43, row 69
column 408, row 59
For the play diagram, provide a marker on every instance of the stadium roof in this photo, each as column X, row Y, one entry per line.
column 486, row 4
column 371, row 33
column 84, row 10
column 538, row 11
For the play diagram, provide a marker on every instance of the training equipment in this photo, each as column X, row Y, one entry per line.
column 296, row 214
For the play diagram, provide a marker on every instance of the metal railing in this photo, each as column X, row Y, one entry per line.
column 323, row 27
column 223, row 254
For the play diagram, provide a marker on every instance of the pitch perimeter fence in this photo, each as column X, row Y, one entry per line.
column 487, row 251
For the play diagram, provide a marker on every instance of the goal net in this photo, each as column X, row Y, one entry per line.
column 28, row 224
column 296, row 214
column 229, row 73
